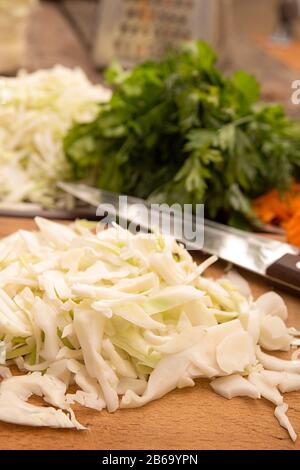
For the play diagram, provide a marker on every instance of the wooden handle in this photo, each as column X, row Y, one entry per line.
column 286, row 270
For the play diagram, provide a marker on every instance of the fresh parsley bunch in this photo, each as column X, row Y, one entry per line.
column 178, row 130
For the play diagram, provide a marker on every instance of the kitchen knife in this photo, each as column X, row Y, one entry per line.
column 277, row 261
column 56, row 214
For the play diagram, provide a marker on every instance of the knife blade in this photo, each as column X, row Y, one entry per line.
column 56, row 214
column 277, row 261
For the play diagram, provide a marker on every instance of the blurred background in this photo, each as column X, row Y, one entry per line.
column 54, row 127
column 260, row 36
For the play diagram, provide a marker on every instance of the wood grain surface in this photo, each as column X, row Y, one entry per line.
column 184, row 419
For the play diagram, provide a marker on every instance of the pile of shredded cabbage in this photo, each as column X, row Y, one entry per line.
column 128, row 318
column 36, row 110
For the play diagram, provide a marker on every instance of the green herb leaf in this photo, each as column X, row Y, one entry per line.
column 178, row 130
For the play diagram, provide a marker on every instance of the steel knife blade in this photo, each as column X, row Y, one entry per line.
column 273, row 259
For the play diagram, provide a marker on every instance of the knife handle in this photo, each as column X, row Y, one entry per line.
column 286, row 270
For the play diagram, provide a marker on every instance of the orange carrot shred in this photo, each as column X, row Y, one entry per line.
column 284, row 211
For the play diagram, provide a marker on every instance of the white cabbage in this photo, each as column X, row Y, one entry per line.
column 36, row 111
column 272, row 304
column 126, row 319
column 15, row 391
column 235, row 353
column 239, row 282
column 234, row 386
column 274, row 334
column 280, row 414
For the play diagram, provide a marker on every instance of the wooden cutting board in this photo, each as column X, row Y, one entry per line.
column 192, row 418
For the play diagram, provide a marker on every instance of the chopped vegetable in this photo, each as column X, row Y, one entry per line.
column 280, row 413
column 15, row 391
column 36, row 110
column 80, row 312
column 179, row 131
column 282, row 210
column 234, row 386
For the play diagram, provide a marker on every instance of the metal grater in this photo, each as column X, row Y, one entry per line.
column 134, row 30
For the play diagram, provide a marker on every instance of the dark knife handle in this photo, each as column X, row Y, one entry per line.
column 286, row 270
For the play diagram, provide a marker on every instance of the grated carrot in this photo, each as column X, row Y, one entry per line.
column 272, row 208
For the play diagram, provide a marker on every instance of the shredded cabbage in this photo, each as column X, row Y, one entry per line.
column 128, row 318
column 36, row 110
